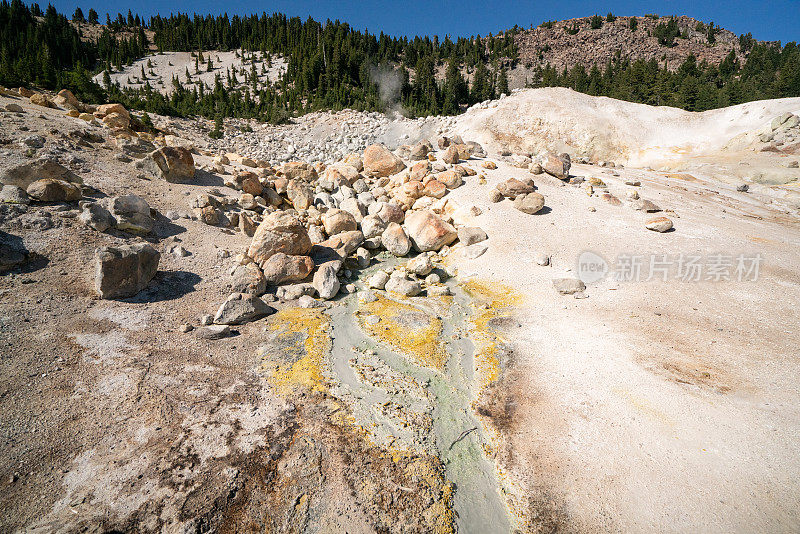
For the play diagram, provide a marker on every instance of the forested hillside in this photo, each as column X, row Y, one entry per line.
column 333, row 66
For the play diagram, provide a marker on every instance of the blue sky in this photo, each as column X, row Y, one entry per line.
column 777, row 20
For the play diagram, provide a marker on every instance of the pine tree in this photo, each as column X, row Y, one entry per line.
column 502, row 82
column 78, row 15
column 92, row 16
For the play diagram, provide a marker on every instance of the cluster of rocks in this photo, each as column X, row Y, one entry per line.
column 314, row 227
column 782, row 135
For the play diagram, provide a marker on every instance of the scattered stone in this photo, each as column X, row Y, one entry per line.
column 326, row 282
column 14, row 108
column 25, row 174
column 491, row 165
column 469, row 235
column 531, row 203
column 742, row 188
column 659, row 224
column 541, row 258
column 125, row 270
column 173, row 164
column 279, row 232
column 645, row 205
column 379, row 161
column 240, row 308
column 217, row 331
column 395, row 240
column 52, row 190
column 281, row 268
column 428, row 231
column 403, row 286
column 96, row 216
column 568, row 286
column 186, row 327
column 309, row 302
column 495, row 195
column 131, row 214
column 557, row 166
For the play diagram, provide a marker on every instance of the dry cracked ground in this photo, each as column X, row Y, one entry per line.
column 553, row 313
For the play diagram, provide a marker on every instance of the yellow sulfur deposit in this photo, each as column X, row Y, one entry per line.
column 306, row 372
column 490, row 301
column 420, row 342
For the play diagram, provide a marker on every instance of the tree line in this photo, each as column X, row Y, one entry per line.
column 333, row 66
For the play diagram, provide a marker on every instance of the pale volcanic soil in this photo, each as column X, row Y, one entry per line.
column 644, row 406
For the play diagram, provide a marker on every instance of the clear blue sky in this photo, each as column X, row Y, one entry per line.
column 769, row 20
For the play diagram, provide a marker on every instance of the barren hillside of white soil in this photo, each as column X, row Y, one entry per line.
column 601, row 128
column 160, row 69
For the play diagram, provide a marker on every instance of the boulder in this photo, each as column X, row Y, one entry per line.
column 378, row 280
column 131, row 214
column 41, row 100
column 11, row 194
column 379, row 161
column 372, row 226
column 300, row 194
column 395, row 240
column 25, row 174
column 343, row 244
column 451, row 179
column 469, row 235
column 403, row 286
column 419, row 170
column 512, row 188
column 173, row 164
column 428, row 231
column 435, row 189
column 568, row 286
column 659, row 224
column 96, row 216
column 531, row 203
column 644, row 205
column 51, row 190
column 248, row 279
column 279, row 232
column 421, row 265
column 281, row 268
column 125, row 270
column 419, row 152
column 557, row 166
column 337, row 221
column 250, row 184
column 106, row 109
column 14, row 108
column 67, row 100
column 117, row 120
column 451, row 155
column 240, row 308
column 326, row 281
column 12, row 252
column 298, row 170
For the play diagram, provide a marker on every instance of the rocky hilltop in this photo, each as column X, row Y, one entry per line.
column 566, row 43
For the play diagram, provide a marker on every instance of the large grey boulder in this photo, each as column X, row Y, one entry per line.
column 248, row 279
column 395, row 240
column 173, row 164
column 96, row 216
column 24, row 174
column 131, row 214
column 326, row 282
column 240, row 308
column 124, row 271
